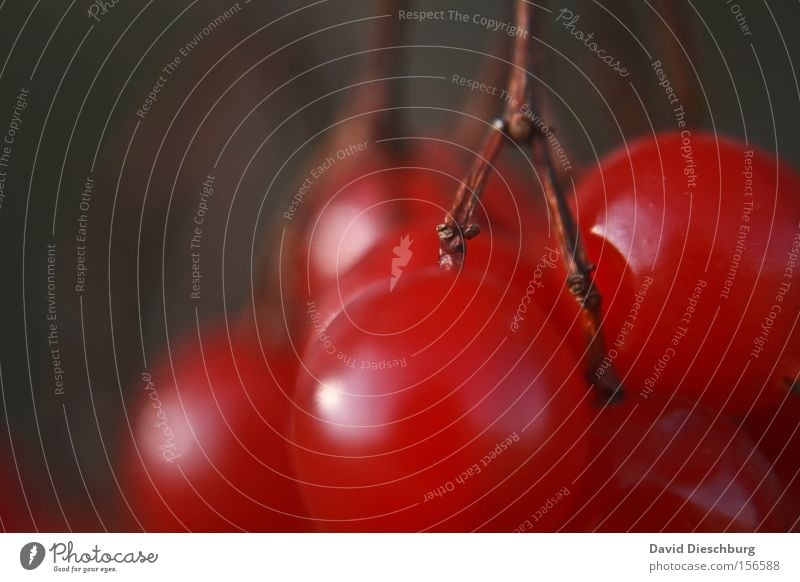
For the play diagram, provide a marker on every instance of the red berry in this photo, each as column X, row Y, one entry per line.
column 673, row 466
column 210, row 448
column 420, row 409
column 695, row 240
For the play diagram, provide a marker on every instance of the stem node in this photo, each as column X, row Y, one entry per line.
column 520, row 128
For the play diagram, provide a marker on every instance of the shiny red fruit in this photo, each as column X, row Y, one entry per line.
column 696, row 241
column 672, row 466
column 393, row 261
column 361, row 198
column 401, row 215
column 351, row 206
column 421, row 408
column 210, row 451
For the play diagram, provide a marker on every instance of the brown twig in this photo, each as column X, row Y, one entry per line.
column 458, row 227
column 579, row 277
column 519, row 127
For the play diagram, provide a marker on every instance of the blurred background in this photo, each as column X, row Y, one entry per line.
column 113, row 181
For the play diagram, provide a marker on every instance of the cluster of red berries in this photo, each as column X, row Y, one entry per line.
column 393, row 395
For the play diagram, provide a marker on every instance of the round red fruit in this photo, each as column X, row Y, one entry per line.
column 422, row 408
column 696, row 240
column 209, row 451
column 673, row 466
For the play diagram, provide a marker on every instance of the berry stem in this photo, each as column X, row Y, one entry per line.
column 458, row 226
column 519, row 127
column 580, row 283
column 579, row 277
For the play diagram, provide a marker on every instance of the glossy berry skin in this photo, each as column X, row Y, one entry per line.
column 352, row 205
column 673, row 466
column 210, row 453
column 402, row 253
column 352, row 210
column 362, row 198
column 418, row 409
column 516, row 244
column 695, row 241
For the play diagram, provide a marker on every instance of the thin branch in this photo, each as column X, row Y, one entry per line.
column 518, row 126
column 458, row 226
column 579, row 277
